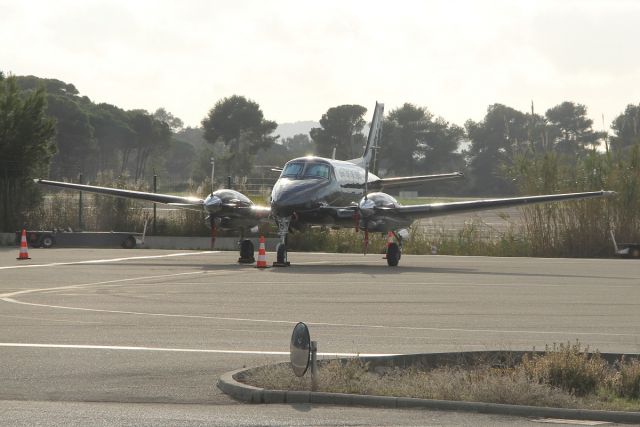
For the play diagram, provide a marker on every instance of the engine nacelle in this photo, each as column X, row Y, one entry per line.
column 374, row 217
column 232, row 210
column 221, row 200
column 379, row 200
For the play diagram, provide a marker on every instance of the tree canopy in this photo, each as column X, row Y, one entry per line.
column 92, row 138
column 26, row 144
column 240, row 124
column 627, row 128
column 416, row 142
column 341, row 128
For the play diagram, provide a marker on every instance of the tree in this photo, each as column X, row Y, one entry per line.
column 403, row 130
column 77, row 147
column 298, row 145
column 179, row 159
column 150, row 135
column 573, row 130
column 341, row 128
column 113, row 134
column 626, row 128
column 174, row 123
column 240, row 124
column 494, row 141
column 416, row 142
column 26, row 144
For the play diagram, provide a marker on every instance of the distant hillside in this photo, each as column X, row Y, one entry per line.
column 287, row 130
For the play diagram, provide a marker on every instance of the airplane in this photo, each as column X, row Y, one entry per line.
column 317, row 191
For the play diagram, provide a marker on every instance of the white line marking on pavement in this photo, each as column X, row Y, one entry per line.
column 84, row 285
column 178, row 350
column 7, row 298
column 339, row 325
column 100, row 261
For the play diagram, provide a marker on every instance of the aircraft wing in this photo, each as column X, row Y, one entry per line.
column 384, row 183
column 179, row 201
column 438, row 209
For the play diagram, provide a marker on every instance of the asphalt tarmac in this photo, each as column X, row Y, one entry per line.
column 140, row 337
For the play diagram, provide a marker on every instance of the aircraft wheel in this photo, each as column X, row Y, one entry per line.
column 47, row 241
column 393, row 254
column 246, row 252
column 281, row 256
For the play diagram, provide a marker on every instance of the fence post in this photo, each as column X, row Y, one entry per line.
column 155, row 190
column 80, row 225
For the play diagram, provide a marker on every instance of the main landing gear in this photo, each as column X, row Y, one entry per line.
column 394, row 251
column 246, row 252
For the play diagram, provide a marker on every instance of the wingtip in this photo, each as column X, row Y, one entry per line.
column 608, row 193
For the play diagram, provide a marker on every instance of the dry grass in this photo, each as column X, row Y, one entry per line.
column 564, row 376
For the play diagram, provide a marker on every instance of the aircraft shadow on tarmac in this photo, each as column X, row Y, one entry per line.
column 382, row 269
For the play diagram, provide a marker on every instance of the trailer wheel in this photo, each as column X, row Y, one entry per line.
column 129, row 242
column 634, row 253
column 47, row 241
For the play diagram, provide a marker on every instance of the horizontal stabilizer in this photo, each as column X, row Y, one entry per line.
column 385, row 183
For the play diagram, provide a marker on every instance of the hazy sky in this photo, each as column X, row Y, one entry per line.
column 299, row 58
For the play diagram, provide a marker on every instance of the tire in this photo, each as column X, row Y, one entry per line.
column 281, row 253
column 129, row 242
column 47, row 241
column 393, row 254
column 634, row 253
column 246, row 250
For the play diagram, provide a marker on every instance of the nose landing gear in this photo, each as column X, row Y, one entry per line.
column 281, row 249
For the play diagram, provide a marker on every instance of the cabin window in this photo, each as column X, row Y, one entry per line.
column 317, row 170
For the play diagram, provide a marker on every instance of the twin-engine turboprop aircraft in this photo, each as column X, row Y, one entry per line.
column 326, row 192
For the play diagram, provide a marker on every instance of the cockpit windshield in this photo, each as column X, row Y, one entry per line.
column 292, row 170
column 306, row 170
column 316, row 170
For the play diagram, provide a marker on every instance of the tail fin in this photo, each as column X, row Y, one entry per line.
column 374, row 137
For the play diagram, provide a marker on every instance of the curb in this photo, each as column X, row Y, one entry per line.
column 246, row 393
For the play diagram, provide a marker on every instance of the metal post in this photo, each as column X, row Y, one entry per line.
column 155, row 190
column 212, row 168
column 314, row 365
column 80, row 225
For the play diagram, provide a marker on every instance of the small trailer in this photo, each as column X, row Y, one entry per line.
column 625, row 250
column 48, row 239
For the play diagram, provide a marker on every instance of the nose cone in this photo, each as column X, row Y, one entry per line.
column 292, row 195
column 213, row 204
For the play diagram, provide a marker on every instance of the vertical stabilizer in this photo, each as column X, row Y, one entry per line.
column 374, row 137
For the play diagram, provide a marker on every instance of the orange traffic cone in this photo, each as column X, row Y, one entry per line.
column 389, row 242
column 24, row 252
column 262, row 255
